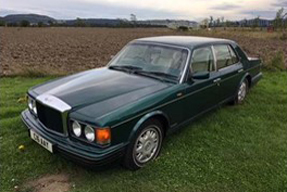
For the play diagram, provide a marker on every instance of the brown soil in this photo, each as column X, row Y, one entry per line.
column 59, row 50
column 50, row 183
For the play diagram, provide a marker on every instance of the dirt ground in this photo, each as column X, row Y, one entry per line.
column 49, row 183
column 68, row 50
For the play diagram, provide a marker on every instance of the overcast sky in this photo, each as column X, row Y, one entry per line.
column 145, row 9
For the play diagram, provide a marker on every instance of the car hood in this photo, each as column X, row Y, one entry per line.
column 101, row 90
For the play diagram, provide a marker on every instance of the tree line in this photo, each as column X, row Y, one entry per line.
column 279, row 22
column 121, row 23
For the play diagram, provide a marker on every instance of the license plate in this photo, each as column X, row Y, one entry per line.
column 43, row 142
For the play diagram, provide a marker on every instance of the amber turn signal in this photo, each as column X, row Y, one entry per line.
column 103, row 135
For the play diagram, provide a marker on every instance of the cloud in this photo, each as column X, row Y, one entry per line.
column 147, row 9
column 280, row 3
column 262, row 14
column 225, row 6
column 8, row 12
column 66, row 9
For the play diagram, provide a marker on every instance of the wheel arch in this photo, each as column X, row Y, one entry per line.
column 248, row 77
column 159, row 115
column 245, row 76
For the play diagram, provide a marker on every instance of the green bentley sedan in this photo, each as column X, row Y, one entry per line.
column 152, row 87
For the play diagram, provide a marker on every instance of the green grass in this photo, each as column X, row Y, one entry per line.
column 235, row 148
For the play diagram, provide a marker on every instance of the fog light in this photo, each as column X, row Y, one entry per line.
column 77, row 129
column 90, row 133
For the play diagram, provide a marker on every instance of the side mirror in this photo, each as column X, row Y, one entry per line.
column 201, row 75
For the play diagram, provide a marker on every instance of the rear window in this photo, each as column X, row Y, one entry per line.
column 225, row 56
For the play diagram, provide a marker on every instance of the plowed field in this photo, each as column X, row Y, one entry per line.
column 68, row 50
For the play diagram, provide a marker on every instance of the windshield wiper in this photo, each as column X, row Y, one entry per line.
column 125, row 67
column 158, row 75
column 162, row 74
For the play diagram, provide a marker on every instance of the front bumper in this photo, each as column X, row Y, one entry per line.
column 73, row 150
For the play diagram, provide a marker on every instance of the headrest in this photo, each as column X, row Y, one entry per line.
column 177, row 55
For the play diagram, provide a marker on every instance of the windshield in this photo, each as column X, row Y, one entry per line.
column 149, row 59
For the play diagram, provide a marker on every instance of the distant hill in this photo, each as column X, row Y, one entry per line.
column 169, row 23
column 32, row 18
column 94, row 22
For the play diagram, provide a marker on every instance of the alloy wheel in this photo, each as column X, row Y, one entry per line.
column 242, row 92
column 147, row 145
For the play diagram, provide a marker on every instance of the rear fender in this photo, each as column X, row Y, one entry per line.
column 242, row 79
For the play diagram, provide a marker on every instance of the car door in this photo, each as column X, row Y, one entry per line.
column 201, row 93
column 230, row 70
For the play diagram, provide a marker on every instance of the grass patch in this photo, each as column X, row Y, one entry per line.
column 276, row 62
column 235, row 148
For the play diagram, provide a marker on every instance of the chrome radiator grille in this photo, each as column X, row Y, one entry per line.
column 50, row 118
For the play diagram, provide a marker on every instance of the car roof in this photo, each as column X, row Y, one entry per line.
column 184, row 41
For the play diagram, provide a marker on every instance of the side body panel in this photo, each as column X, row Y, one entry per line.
column 183, row 102
column 200, row 95
column 230, row 79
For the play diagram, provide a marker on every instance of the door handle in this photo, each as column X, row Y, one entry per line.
column 240, row 70
column 179, row 94
column 217, row 80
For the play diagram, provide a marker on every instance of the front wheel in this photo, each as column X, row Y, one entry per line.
column 145, row 146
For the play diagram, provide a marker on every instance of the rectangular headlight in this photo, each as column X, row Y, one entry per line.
column 32, row 105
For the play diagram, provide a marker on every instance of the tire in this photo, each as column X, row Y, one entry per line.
column 145, row 145
column 241, row 92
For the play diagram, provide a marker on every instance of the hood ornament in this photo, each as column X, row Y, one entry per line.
column 53, row 102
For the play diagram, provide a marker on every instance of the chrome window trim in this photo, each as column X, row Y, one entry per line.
column 214, row 57
column 116, row 55
column 227, row 67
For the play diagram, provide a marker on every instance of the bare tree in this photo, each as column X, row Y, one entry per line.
column 133, row 19
column 211, row 21
column 245, row 22
column 256, row 22
column 279, row 19
column 218, row 22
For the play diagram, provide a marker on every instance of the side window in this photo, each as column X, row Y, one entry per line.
column 202, row 60
column 233, row 55
column 225, row 56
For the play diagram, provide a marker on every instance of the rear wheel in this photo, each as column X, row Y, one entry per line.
column 242, row 92
column 145, row 146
